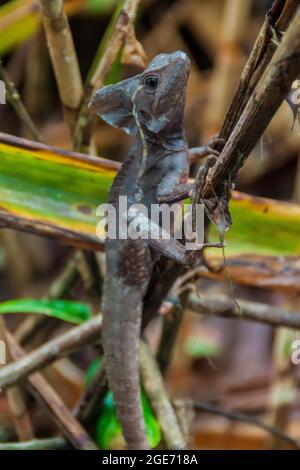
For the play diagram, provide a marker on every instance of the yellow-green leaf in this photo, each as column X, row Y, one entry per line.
column 55, row 193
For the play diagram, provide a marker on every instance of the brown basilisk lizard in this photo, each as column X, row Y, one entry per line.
column 149, row 106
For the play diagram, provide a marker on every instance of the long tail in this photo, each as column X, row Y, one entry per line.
column 122, row 310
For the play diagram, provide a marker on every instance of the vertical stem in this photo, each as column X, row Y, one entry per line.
column 171, row 325
column 16, row 102
column 64, row 59
column 283, row 388
column 162, row 407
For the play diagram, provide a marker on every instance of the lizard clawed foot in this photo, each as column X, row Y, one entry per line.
column 216, row 141
column 194, row 256
column 198, row 153
column 215, row 145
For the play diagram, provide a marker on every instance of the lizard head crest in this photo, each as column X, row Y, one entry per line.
column 153, row 100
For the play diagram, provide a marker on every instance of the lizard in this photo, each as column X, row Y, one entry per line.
column 150, row 107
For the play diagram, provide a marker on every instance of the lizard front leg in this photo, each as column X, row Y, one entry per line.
column 212, row 148
column 161, row 240
column 181, row 191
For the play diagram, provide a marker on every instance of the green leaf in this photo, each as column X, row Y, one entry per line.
column 100, row 6
column 55, row 193
column 261, row 226
column 108, row 434
column 92, row 370
column 107, row 430
column 66, row 310
column 20, row 19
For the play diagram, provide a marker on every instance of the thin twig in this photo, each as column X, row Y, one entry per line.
column 171, row 325
column 108, row 50
column 16, row 102
column 52, row 403
column 221, row 305
column 233, row 415
column 63, row 345
column 162, row 407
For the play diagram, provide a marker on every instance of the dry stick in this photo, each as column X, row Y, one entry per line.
column 15, row 398
column 246, row 419
column 15, row 100
column 273, row 87
column 63, row 345
column 172, row 309
column 53, row 443
column 85, row 119
column 45, row 394
column 283, row 387
column 64, row 59
column 171, row 325
column 264, row 47
column 162, row 407
column 223, row 306
column 106, row 55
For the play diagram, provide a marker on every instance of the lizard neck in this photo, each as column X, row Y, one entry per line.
column 162, row 143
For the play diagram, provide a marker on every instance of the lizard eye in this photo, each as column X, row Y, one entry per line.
column 151, row 82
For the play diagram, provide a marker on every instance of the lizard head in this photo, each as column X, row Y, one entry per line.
column 153, row 100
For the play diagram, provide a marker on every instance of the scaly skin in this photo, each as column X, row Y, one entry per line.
column 156, row 165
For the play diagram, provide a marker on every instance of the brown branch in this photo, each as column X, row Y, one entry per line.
column 271, row 91
column 53, row 404
column 234, row 416
column 221, row 305
column 263, row 50
column 64, row 59
column 108, row 50
column 162, row 407
column 171, row 325
column 63, row 345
